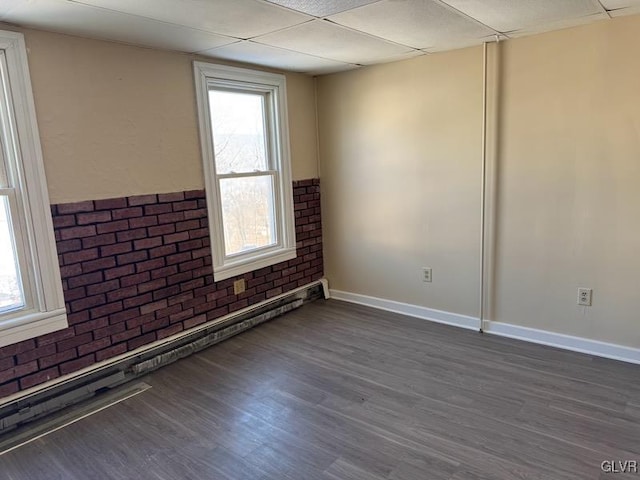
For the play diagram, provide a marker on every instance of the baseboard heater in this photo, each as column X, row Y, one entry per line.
column 50, row 399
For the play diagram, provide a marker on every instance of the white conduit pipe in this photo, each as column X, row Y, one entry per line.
column 483, row 174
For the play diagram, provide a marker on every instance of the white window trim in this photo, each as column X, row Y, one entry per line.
column 44, row 311
column 207, row 75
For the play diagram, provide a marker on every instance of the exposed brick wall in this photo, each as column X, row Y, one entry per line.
column 138, row 269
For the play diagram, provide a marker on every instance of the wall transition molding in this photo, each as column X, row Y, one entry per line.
column 532, row 335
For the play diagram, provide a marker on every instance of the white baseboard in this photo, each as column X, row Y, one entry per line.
column 425, row 313
column 543, row 337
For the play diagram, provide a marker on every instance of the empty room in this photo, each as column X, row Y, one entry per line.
column 319, row 239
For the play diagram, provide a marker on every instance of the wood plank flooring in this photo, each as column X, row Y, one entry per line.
column 344, row 392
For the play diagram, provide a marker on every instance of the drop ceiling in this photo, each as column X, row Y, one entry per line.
column 309, row 36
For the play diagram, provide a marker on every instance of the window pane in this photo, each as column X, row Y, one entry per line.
column 237, row 122
column 10, row 292
column 247, row 213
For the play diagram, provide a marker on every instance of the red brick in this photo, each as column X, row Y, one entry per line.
column 104, row 310
column 86, row 279
column 137, row 300
column 186, row 205
column 87, row 302
column 100, row 264
column 94, row 346
column 191, row 245
column 68, row 245
column 140, row 341
column 126, row 335
column 130, row 212
column 78, row 317
column 191, row 284
column 121, row 293
column 194, row 321
column 74, row 342
column 140, row 222
column 110, row 203
column 39, row 377
column 80, row 256
column 199, row 233
column 71, row 270
column 8, row 389
column 91, row 325
column 78, row 232
column 199, row 213
column 116, row 226
column 125, row 315
column 165, row 312
column 273, row 292
column 119, row 272
column 56, row 359
column 139, row 320
column 111, row 352
column 169, row 331
column 61, row 221
column 180, row 277
column 155, row 325
column 157, row 209
column 9, row 362
column 18, row 371
column 171, row 197
column 132, row 234
column 55, row 336
column 74, row 293
column 76, row 207
column 162, row 251
column 164, row 272
column 147, row 243
column 187, row 225
column 150, row 265
column 142, row 200
column 93, row 217
column 135, row 279
column 103, row 287
column 152, row 307
column 171, row 217
column 78, row 364
column 178, row 258
column 217, row 313
column 116, row 249
column 191, row 265
column 152, row 285
column 110, row 330
column 162, row 230
column 176, row 237
column 99, row 240
column 132, row 257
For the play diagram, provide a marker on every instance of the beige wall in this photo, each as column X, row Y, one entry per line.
column 399, row 148
column 118, row 120
column 400, row 156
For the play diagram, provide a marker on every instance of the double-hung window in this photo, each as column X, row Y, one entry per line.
column 245, row 150
column 31, row 299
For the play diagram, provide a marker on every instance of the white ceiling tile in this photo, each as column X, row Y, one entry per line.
column 398, row 58
column 256, row 53
column 7, row 5
column 82, row 20
column 235, row 18
column 417, row 23
column 625, row 11
column 461, row 43
column 558, row 25
column 507, row 16
column 616, row 4
column 327, row 40
column 322, row 8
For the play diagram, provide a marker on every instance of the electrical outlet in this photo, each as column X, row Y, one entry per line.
column 426, row 274
column 238, row 286
column 584, row 296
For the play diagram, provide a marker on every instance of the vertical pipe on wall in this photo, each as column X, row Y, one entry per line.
column 483, row 194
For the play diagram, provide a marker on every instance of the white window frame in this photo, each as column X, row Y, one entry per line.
column 44, row 308
column 211, row 76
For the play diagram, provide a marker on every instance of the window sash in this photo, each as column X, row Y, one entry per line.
column 272, row 87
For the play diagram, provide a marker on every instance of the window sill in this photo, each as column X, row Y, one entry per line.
column 32, row 325
column 229, row 270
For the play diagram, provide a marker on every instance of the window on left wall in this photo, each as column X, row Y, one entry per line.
column 31, row 298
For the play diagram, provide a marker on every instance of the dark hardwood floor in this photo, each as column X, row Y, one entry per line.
column 339, row 391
